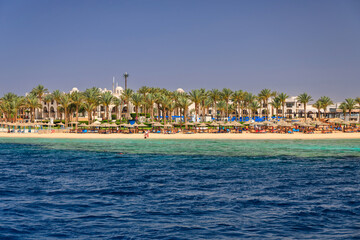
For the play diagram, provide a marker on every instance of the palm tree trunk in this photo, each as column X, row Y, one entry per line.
column 215, row 110
column 77, row 113
column 158, row 112
column 305, row 112
column 203, row 113
column 283, row 111
column 152, row 113
column 164, row 115
column 89, row 117
column 185, row 115
column 227, row 109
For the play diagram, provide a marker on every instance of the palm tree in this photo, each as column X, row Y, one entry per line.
column 350, row 105
column 171, row 108
column 249, row 98
column 65, row 101
column 137, row 100
column 150, row 100
column 127, row 94
column 165, row 102
column 222, row 107
column 273, row 95
column 57, row 95
column 343, row 107
column 215, row 96
column 238, row 97
column 32, row 102
column 264, row 95
column 77, row 99
column 184, row 102
column 39, row 92
column 325, row 102
column 254, row 106
column 304, row 99
column 89, row 107
column 92, row 98
column 204, row 96
column 196, row 97
column 283, row 97
column 226, row 95
column 117, row 102
column 106, row 99
column 10, row 106
column 48, row 99
column 276, row 104
column 318, row 105
column 357, row 100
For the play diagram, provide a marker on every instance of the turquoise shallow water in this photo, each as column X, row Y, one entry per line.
column 179, row 189
column 255, row 148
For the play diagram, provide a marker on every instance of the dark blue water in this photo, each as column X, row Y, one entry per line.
column 49, row 193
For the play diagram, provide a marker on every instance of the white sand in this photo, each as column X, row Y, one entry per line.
column 249, row 136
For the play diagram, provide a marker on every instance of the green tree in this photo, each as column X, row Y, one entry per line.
column 325, row 102
column 106, row 99
column 318, row 105
column 350, row 105
column 276, row 104
column 283, row 97
column 226, row 94
column 264, row 96
column 65, row 101
column 77, row 99
column 215, row 96
column 137, row 100
column 304, row 99
column 39, row 92
column 196, row 97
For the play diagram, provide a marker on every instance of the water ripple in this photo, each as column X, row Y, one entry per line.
column 63, row 189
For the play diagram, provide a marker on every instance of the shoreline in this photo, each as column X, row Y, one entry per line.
column 198, row 136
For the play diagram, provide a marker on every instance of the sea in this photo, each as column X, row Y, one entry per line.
column 179, row 189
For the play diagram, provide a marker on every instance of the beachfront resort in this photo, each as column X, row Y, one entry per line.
column 123, row 110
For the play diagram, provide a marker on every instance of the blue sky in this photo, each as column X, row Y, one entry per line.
column 288, row 46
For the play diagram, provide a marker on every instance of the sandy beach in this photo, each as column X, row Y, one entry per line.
column 248, row 136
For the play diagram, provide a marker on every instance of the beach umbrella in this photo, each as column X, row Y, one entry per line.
column 142, row 125
column 83, row 125
column 135, row 125
column 270, row 124
column 60, row 124
column 202, row 125
column 214, row 124
column 284, row 124
column 335, row 120
column 320, row 123
column 168, row 126
column 189, row 124
column 158, row 125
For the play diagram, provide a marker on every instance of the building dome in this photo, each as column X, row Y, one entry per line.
column 74, row 90
column 180, row 90
column 119, row 90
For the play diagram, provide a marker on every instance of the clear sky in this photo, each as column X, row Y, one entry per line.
column 288, row 46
